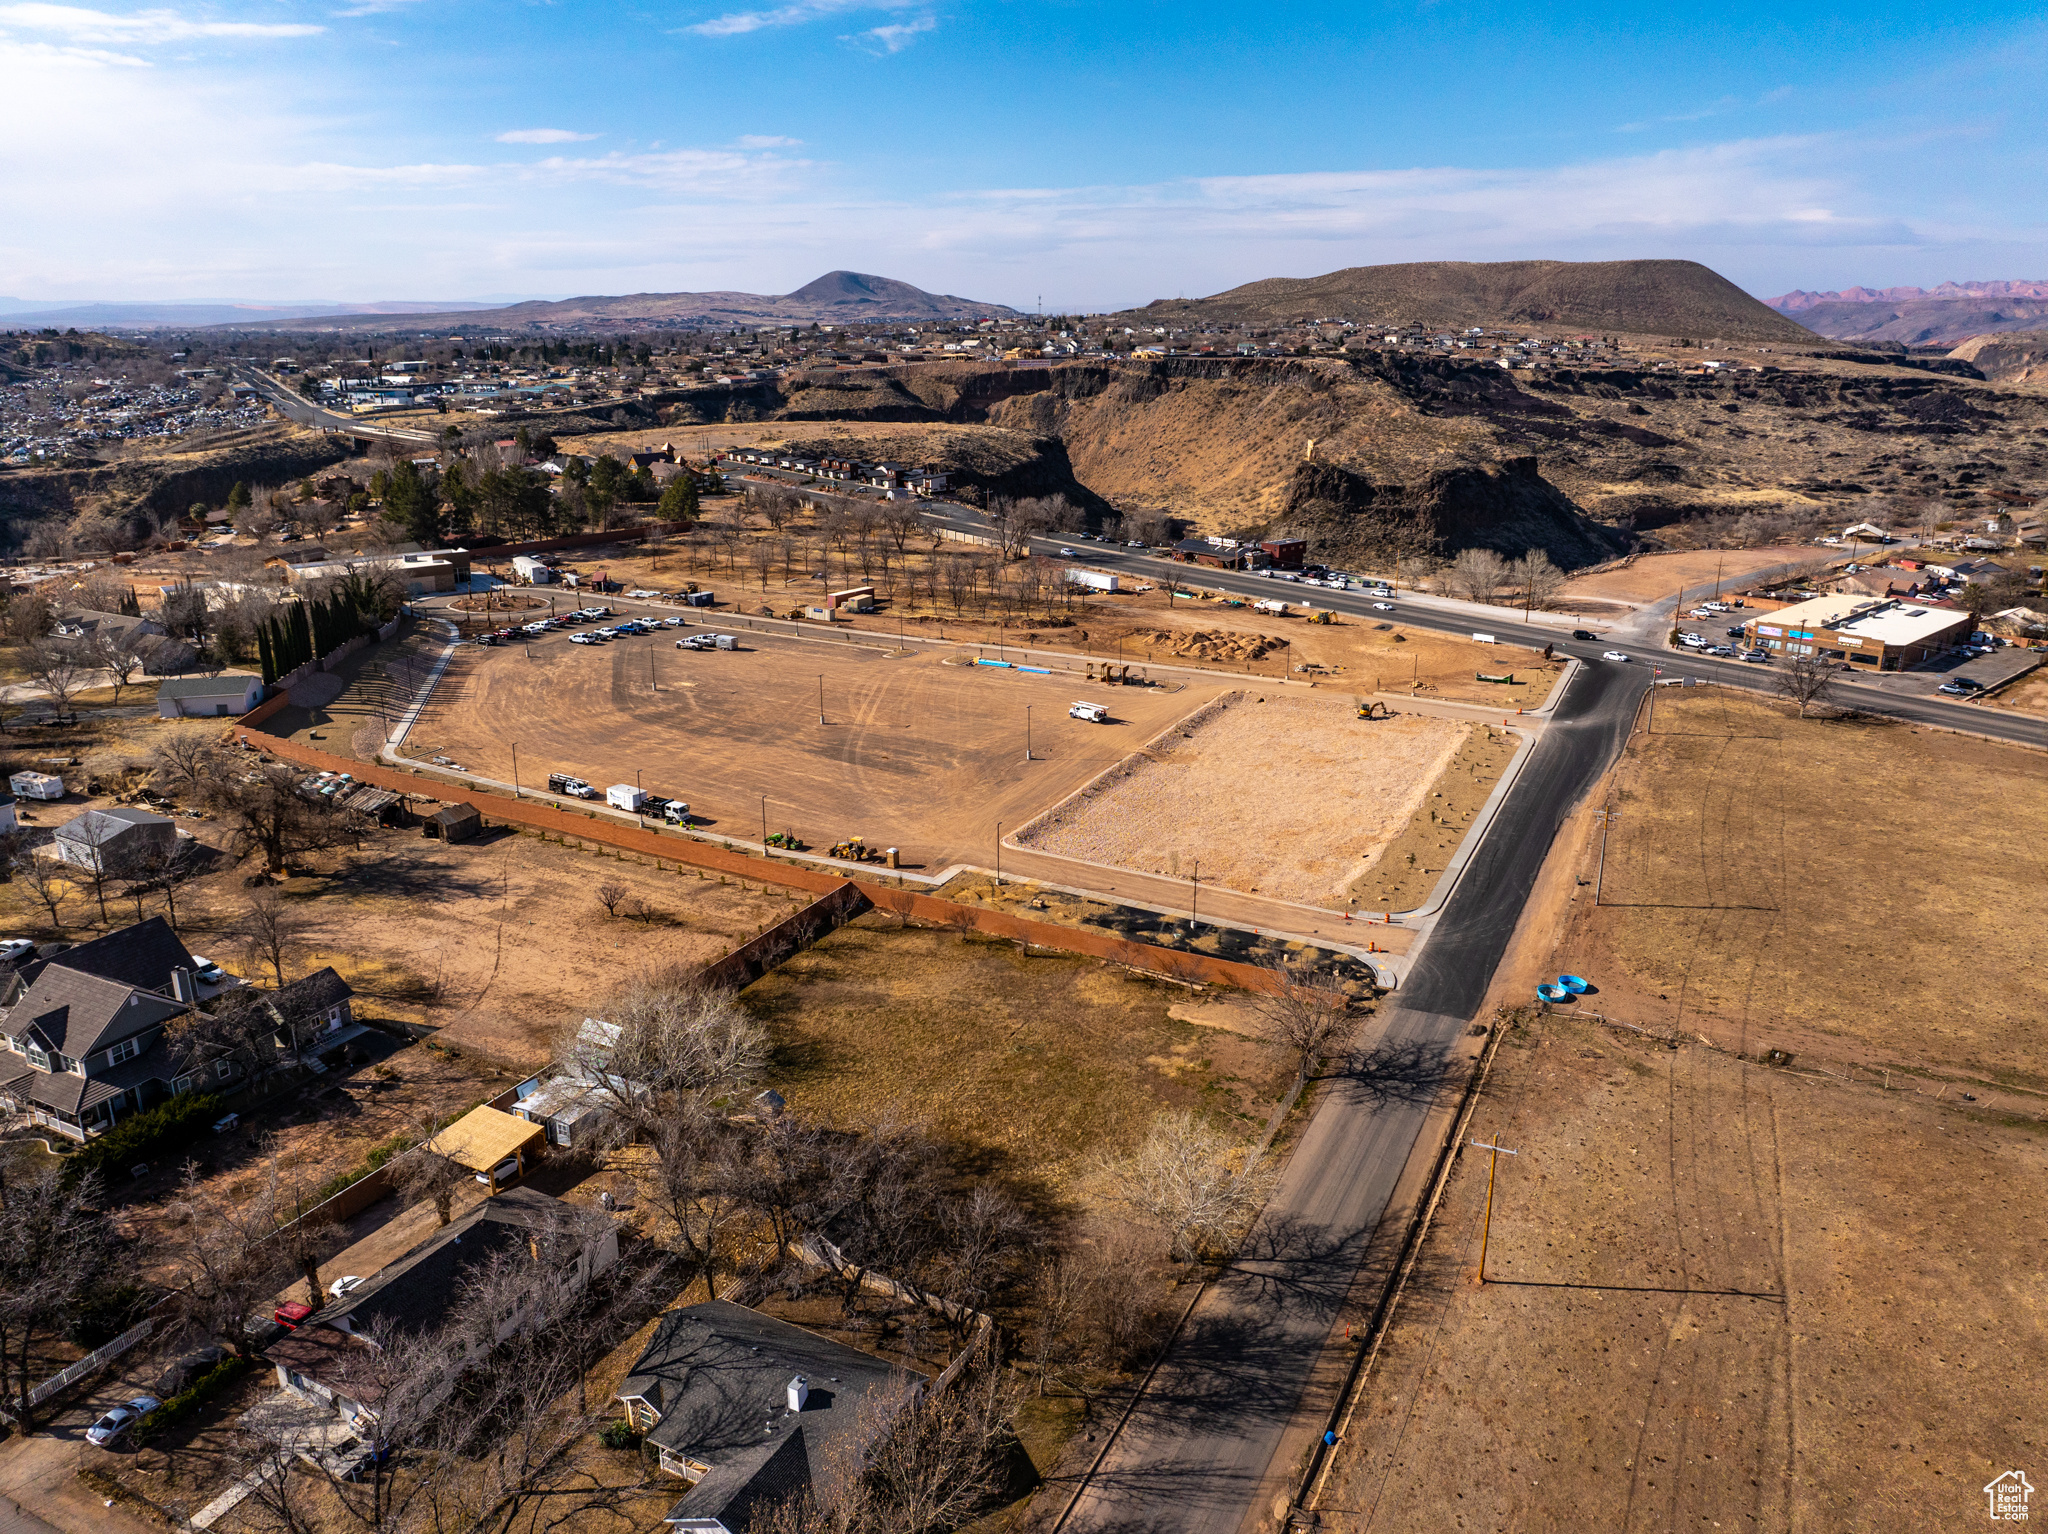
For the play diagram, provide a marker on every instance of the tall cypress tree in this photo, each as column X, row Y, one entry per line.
column 263, row 656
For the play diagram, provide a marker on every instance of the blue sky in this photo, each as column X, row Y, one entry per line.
column 1095, row 154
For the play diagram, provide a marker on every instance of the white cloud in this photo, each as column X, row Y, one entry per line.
column 895, row 37
column 766, row 141
column 739, row 23
column 545, row 136
column 151, row 26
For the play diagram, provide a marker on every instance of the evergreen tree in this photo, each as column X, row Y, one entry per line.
column 267, row 664
column 679, row 501
column 238, row 498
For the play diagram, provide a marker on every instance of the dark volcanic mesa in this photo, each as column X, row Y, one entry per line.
column 1664, row 298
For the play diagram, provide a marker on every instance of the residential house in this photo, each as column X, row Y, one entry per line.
column 85, row 1032
column 115, row 841
column 328, row 1358
column 750, row 1410
column 312, row 1011
column 208, row 697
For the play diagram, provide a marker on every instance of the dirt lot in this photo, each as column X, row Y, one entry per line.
column 1280, row 795
column 1405, row 870
column 1040, row 1062
column 1721, row 1296
column 1654, row 577
column 918, row 751
column 2029, row 696
column 1860, row 889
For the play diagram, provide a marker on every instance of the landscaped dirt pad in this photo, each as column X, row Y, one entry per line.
column 1283, row 796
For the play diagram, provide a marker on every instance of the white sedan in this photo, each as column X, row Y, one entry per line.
column 1614, row 655
column 1383, row 607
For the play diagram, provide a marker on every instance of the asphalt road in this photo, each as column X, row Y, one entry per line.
column 1192, row 1456
column 297, row 408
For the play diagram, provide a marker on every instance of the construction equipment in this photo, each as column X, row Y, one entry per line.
column 788, row 841
column 856, row 850
column 1322, row 615
column 1372, row 710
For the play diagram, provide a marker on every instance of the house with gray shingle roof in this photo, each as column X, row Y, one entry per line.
column 115, row 841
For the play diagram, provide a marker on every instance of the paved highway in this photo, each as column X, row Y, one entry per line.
column 298, row 408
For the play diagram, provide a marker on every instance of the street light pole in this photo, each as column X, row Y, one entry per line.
column 764, row 823
column 1027, row 732
column 821, row 697
column 1195, row 893
column 999, row 854
column 515, row 769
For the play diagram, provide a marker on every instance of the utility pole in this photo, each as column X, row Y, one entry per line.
column 1195, row 894
column 515, row 767
column 1606, row 819
column 1495, row 1151
column 1027, row 732
column 999, row 854
column 821, row 697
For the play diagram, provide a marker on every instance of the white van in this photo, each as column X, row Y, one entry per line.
column 1094, row 713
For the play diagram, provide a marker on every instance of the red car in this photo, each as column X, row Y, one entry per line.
column 291, row 1315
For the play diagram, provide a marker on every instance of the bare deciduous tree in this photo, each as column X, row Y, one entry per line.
column 54, row 1240
column 1478, row 575
column 1807, row 680
column 669, row 1042
column 1181, row 1177
column 270, row 931
column 58, row 668
column 424, row 1175
column 1303, row 1012
column 611, row 895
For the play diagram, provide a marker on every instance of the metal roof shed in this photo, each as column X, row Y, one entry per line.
column 484, row 1139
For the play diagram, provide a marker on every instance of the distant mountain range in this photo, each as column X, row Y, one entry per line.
column 1799, row 299
column 1944, row 316
column 839, row 298
column 1660, row 298
column 21, row 313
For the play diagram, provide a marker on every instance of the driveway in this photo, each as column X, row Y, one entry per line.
column 39, row 1483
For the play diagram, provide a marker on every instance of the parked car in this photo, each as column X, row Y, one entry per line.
column 504, row 1171
column 292, row 1314
column 1736, row 632
column 117, row 1421
column 206, row 971
column 1960, row 687
column 343, row 1286
column 1758, row 657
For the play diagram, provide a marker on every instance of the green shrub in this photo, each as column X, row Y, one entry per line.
column 619, row 1435
column 192, row 1397
column 377, row 1156
column 169, row 1126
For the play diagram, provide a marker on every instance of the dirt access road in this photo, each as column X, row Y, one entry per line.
column 917, row 750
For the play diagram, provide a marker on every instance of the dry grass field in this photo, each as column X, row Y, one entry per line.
column 1861, row 888
column 1653, row 577
column 918, row 751
column 1720, row 1296
column 1036, row 1062
column 1273, row 794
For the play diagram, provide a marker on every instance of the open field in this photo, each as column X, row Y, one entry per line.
column 1721, row 1296
column 1654, row 577
column 1035, row 1062
column 1279, row 795
column 918, row 751
column 2029, row 696
column 1859, row 888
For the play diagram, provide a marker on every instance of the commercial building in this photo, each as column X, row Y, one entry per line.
column 1869, row 633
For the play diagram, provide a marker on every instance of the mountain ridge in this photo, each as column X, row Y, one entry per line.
column 1646, row 297
column 839, row 296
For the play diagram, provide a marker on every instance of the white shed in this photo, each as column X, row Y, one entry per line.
column 533, row 571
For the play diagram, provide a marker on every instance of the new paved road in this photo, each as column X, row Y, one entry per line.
column 1192, row 1456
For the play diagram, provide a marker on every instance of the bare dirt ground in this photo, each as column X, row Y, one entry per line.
column 1278, row 795
column 1762, row 885
column 2028, row 697
column 1721, row 1296
column 1654, row 577
column 1141, row 627
column 1402, row 873
column 918, row 751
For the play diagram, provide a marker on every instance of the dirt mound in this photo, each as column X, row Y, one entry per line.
column 1673, row 298
column 1207, row 644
